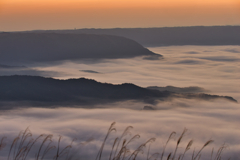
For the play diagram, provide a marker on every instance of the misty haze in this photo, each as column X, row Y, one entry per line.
column 154, row 81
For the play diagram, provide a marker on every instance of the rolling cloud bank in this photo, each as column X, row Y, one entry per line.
column 156, row 90
column 204, row 121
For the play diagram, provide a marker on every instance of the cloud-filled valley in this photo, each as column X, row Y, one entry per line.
column 204, row 121
column 218, row 77
column 187, row 87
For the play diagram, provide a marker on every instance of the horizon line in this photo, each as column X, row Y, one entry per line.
column 121, row 28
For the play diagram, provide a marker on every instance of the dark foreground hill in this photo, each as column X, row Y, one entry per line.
column 196, row 35
column 49, row 91
column 39, row 47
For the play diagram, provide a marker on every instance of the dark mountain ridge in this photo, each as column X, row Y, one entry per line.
column 166, row 36
column 81, row 91
column 40, row 47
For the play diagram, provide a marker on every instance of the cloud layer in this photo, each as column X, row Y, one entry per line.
column 217, row 120
column 213, row 69
column 204, row 121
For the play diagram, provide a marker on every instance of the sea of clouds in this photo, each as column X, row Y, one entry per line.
column 214, row 68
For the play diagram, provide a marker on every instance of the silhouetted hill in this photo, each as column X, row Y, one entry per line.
column 51, row 91
column 38, row 47
column 196, row 35
column 34, row 88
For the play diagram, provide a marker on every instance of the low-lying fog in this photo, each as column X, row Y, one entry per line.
column 214, row 68
column 204, row 121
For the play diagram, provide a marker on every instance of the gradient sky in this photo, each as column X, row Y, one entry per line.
column 16, row 15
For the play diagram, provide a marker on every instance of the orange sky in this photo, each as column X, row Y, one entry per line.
column 68, row 14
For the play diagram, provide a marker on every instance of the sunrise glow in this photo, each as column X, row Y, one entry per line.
column 62, row 14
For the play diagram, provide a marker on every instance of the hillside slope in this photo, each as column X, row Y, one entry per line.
column 82, row 91
column 39, row 47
